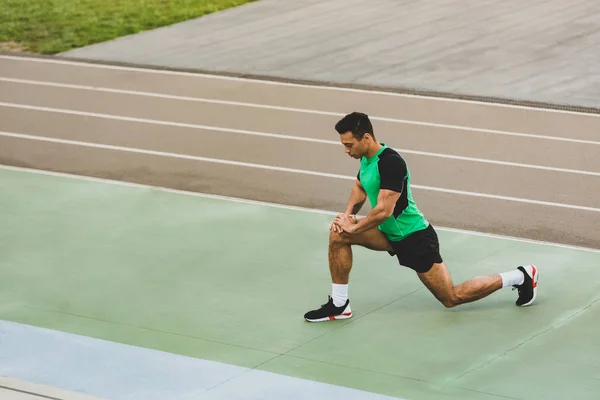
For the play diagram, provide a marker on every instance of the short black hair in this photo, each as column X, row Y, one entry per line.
column 358, row 123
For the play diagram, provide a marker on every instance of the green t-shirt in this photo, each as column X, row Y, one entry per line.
column 387, row 170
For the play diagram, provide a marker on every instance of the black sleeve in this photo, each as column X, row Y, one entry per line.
column 392, row 173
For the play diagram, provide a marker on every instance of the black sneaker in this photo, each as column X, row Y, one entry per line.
column 528, row 290
column 329, row 312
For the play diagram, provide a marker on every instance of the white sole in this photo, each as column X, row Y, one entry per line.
column 331, row 318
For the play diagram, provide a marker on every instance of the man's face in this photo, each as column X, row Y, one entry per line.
column 353, row 147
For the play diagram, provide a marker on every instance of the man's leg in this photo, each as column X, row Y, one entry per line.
column 340, row 264
column 340, row 251
column 420, row 251
column 440, row 284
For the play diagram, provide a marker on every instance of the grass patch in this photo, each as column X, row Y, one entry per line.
column 54, row 26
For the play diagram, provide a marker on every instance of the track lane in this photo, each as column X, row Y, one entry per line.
column 377, row 104
column 418, row 138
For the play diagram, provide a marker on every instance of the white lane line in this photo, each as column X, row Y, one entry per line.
column 283, row 169
column 172, row 155
column 271, row 205
column 276, row 83
column 288, row 137
column 292, row 109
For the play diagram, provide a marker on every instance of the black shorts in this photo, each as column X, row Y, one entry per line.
column 418, row 251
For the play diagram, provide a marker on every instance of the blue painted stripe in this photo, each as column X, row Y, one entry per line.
column 122, row 372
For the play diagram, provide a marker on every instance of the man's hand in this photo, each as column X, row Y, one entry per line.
column 386, row 202
column 345, row 222
column 342, row 220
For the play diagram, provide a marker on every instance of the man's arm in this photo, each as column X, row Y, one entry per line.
column 393, row 173
column 355, row 203
column 386, row 202
column 358, row 196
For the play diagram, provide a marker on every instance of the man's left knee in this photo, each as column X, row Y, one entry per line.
column 338, row 238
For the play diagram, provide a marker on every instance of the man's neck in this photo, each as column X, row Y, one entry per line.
column 374, row 149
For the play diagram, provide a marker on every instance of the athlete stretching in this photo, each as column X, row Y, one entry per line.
column 397, row 226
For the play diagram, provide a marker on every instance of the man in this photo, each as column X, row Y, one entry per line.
column 397, row 226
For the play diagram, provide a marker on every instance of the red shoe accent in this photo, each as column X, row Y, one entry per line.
column 332, row 317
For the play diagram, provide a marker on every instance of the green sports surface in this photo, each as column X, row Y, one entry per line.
column 229, row 281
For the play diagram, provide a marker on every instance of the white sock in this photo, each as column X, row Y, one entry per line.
column 339, row 294
column 511, row 278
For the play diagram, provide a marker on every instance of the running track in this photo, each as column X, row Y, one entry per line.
column 509, row 170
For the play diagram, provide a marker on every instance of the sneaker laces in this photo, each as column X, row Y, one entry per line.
column 329, row 300
column 519, row 289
